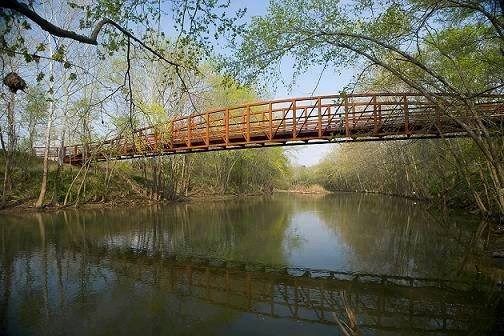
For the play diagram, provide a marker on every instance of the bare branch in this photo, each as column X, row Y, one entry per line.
column 60, row 32
column 130, row 89
column 404, row 54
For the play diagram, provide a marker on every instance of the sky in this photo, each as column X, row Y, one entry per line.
column 331, row 82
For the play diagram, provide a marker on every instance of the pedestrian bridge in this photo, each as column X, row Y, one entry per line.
column 295, row 121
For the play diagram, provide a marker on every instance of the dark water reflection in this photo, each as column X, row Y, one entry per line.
column 109, row 272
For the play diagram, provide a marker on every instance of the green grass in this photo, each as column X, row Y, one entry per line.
column 26, row 176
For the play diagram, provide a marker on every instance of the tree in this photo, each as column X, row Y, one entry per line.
column 193, row 13
column 450, row 51
column 33, row 114
column 110, row 23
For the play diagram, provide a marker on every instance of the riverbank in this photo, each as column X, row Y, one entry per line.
column 125, row 184
column 129, row 203
column 142, row 197
column 138, row 196
column 306, row 189
column 121, row 183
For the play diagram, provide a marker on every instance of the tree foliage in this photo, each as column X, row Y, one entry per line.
column 421, row 43
column 450, row 51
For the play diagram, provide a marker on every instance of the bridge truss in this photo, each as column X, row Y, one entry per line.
column 322, row 119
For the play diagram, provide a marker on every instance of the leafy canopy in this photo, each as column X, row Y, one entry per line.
column 438, row 46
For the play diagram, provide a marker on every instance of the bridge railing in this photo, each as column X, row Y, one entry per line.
column 300, row 118
column 288, row 120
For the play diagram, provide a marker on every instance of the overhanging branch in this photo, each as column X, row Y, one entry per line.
column 52, row 29
column 60, row 32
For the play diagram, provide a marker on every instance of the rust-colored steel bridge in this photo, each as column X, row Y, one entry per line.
column 295, row 121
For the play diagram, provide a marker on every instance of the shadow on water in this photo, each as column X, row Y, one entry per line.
column 222, row 268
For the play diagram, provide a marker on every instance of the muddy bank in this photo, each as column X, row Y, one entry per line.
column 122, row 203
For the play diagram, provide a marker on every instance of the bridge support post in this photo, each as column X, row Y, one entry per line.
column 247, row 115
column 319, row 117
column 155, row 147
column 375, row 116
column 189, row 131
column 207, row 140
column 347, row 126
column 226, row 127
column 294, row 120
column 270, row 111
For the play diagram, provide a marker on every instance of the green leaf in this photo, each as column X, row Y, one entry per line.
column 28, row 58
column 59, row 55
column 25, row 25
column 41, row 47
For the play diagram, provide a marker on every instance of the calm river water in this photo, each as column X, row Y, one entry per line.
column 285, row 264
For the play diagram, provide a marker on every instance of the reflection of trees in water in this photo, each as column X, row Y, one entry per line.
column 54, row 280
column 394, row 235
column 70, row 270
column 78, row 288
column 242, row 230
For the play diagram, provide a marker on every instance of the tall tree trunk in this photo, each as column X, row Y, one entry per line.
column 9, row 151
column 43, row 185
column 61, row 156
column 61, row 151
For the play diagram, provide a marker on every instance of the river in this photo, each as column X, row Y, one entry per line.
column 283, row 264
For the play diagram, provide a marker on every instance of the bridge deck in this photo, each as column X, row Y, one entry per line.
column 358, row 117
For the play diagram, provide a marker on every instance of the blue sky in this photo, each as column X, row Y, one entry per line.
column 331, row 82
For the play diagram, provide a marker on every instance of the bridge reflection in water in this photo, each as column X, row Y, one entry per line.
column 377, row 303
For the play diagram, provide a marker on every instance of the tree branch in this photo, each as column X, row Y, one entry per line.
column 60, row 32
column 46, row 25
column 404, row 54
column 494, row 20
column 93, row 38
